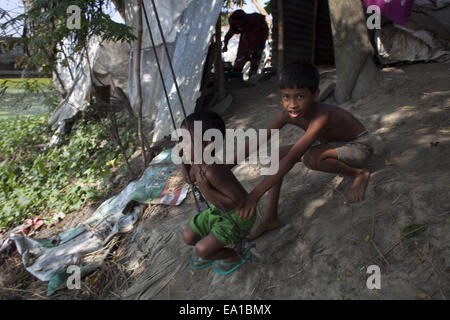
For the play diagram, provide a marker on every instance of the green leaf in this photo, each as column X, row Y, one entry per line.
column 422, row 296
column 412, row 230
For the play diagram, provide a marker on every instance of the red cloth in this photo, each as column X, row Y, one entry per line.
column 253, row 36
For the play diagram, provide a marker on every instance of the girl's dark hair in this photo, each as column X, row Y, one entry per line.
column 300, row 75
column 209, row 119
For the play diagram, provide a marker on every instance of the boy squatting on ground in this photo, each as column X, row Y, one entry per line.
column 334, row 141
column 211, row 231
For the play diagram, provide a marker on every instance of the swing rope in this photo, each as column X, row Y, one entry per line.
column 168, row 100
column 243, row 245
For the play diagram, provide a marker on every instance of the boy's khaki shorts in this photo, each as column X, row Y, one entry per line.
column 355, row 153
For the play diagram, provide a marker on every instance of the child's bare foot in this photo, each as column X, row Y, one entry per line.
column 358, row 188
column 227, row 264
column 200, row 263
column 263, row 226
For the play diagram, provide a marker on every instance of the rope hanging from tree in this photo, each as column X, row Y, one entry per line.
column 243, row 245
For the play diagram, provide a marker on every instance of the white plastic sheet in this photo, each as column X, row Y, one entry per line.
column 107, row 58
column 424, row 37
column 188, row 26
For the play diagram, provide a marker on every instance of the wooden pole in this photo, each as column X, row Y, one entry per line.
column 139, row 85
column 280, row 35
column 220, row 80
column 314, row 34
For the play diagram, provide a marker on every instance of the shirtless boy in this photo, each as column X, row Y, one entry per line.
column 334, row 141
column 211, row 232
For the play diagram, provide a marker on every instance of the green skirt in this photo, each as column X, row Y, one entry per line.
column 213, row 221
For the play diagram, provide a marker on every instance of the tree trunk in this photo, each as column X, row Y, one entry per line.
column 263, row 12
column 356, row 72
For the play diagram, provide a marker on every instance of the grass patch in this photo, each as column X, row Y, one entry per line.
column 19, row 96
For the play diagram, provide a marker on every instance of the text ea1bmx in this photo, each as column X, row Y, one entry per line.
column 227, row 309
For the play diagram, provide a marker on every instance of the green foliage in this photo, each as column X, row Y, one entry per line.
column 27, row 96
column 35, row 180
column 268, row 7
column 232, row 4
column 412, row 230
column 46, row 29
column 223, row 19
column 26, row 92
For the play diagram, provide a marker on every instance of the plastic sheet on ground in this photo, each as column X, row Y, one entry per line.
column 397, row 43
column 87, row 245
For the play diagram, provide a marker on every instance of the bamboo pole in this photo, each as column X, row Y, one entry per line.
column 220, row 81
column 139, row 84
column 280, row 35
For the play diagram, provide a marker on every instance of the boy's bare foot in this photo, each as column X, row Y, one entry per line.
column 358, row 188
column 263, row 226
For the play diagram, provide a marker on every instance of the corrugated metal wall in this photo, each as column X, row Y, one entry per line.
column 299, row 30
column 324, row 39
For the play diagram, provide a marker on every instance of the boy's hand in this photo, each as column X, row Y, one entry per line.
column 201, row 181
column 185, row 169
column 247, row 211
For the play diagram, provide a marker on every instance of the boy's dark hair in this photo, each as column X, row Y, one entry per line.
column 237, row 15
column 300, row 75
column 209, row 119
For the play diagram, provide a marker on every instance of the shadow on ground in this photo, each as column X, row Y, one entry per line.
column 323, row 247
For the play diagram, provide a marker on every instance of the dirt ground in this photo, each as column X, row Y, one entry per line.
column 323, row 247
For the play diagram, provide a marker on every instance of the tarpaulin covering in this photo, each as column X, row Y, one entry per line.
column 425, row 36
column 107, row 58
column 188, row 26
column 48, row 259
column 395, row 10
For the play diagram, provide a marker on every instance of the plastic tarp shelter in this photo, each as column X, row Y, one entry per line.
column 188, row 26
column 87, row 245
column 105, row 58
column 421, row 34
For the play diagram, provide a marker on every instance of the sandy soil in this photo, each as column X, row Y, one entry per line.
column 323, row 247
